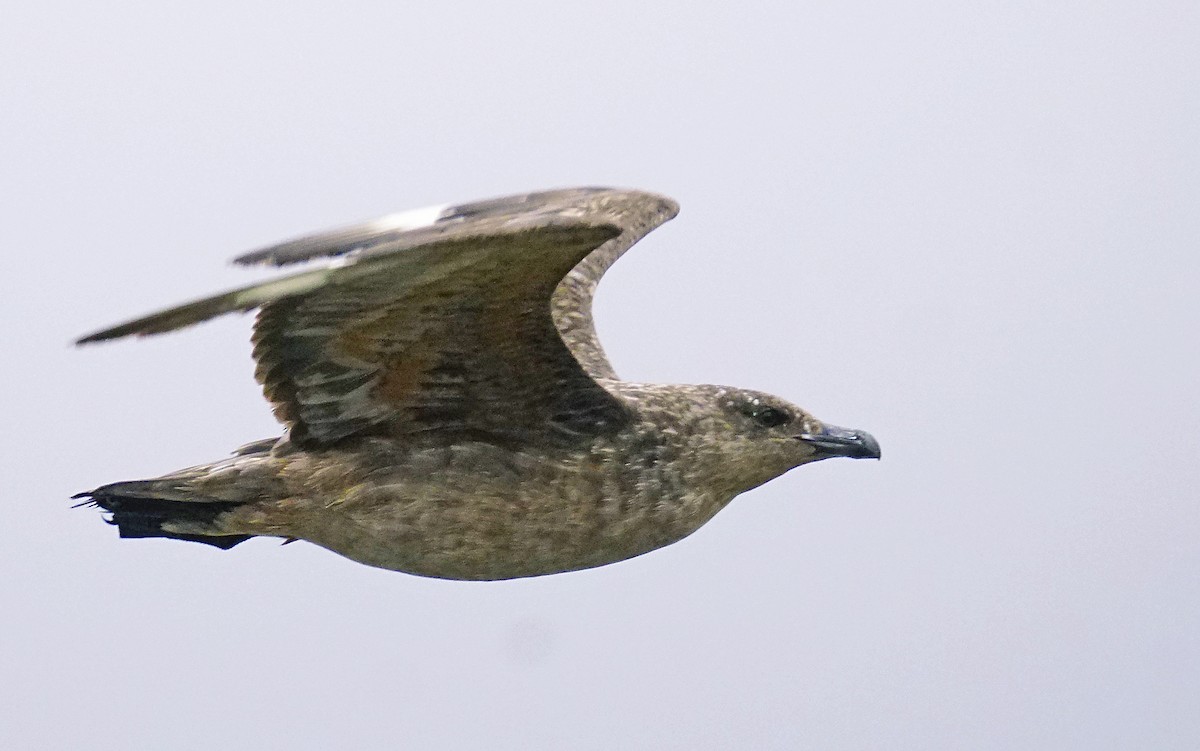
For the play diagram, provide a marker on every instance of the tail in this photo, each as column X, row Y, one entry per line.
column 139, row 509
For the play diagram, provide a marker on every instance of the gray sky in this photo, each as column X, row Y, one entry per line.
column 970, row 228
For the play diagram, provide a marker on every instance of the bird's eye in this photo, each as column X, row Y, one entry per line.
column 769, row 417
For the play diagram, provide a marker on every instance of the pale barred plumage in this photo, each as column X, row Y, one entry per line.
column 450, row 411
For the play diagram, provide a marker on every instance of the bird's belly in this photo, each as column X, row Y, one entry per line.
column 485, row 534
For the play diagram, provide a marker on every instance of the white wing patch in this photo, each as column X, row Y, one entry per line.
column 413, row 219
column 278, row 289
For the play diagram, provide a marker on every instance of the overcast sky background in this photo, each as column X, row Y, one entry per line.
column 970, row 228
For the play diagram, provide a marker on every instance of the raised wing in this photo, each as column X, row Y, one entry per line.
column 634, row 213
column 442, row 321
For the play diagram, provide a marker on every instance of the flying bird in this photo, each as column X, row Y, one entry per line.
column 449, row 412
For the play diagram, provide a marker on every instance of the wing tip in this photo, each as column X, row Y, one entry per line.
column 105, row 335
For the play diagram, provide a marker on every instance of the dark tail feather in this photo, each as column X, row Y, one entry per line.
column 144, row 517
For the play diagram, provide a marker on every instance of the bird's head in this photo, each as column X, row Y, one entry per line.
column 743, row 438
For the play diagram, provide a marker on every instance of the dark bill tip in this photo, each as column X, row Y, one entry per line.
column 835, row 441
